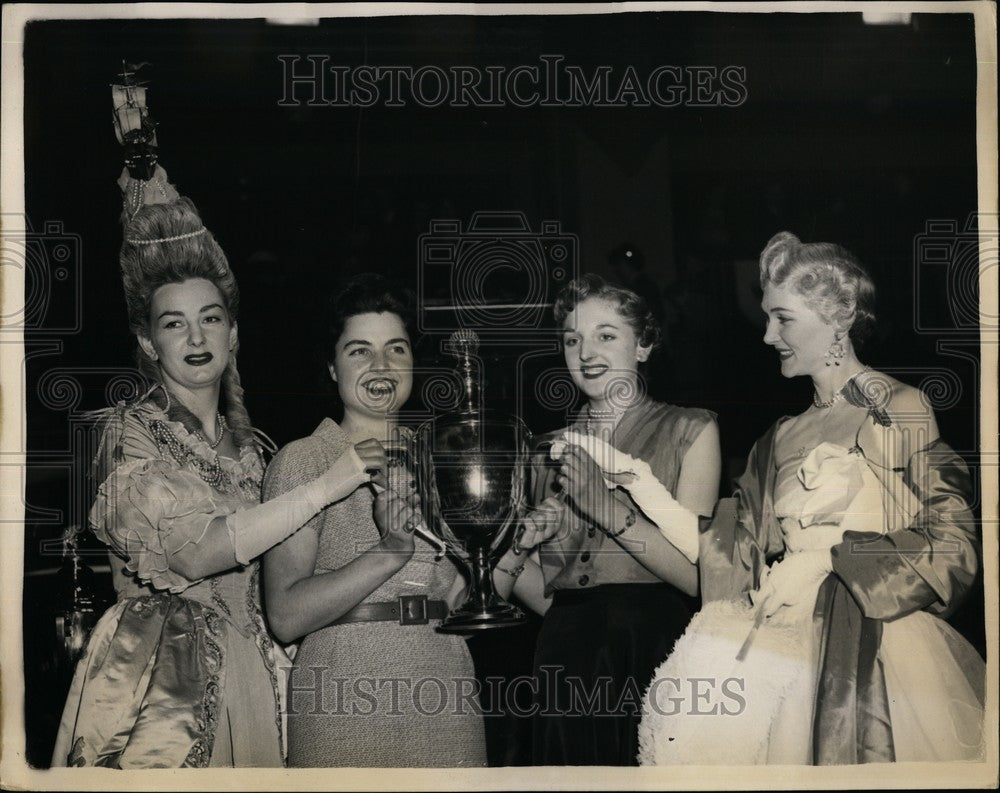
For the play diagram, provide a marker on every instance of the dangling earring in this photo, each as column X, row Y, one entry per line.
column 835, row 353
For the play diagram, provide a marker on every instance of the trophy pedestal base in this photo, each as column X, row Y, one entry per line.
column 465, row 619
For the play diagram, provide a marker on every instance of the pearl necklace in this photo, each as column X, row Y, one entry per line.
column 220, row 420
column 210, row 471
column 603, row 416
column 829, row 403
column 220, row 424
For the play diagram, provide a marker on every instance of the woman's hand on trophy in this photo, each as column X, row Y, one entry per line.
column 372, row 454
column 539, row 525
column 397, row 517
column 582, row 480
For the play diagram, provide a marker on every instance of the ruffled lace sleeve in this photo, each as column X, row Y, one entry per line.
column 146, row 503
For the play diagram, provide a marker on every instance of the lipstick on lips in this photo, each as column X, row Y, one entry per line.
column 593, row 372
column 198, row 360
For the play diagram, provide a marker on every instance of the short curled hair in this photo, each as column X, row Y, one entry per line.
column 632, row 307
column 832, row 281
column 363, row 294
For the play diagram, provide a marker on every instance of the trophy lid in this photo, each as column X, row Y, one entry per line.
column 464, row 344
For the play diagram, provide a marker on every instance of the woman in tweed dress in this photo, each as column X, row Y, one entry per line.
column 373, row 683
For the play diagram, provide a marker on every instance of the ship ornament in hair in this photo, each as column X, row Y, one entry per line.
column 166, row 242
column 181, row 671
column 143, row 181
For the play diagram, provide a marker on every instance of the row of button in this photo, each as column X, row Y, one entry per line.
column 585, row 556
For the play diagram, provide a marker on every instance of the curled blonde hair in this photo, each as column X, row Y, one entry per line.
column 830, row 278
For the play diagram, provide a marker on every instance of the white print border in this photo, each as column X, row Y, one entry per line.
column 13, row 771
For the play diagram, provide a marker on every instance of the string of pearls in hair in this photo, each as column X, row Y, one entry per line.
column 190, row 234
column 138, row 186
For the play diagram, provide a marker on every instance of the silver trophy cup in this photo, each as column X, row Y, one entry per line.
column 472, row 479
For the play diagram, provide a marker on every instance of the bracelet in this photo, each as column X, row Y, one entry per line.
column 512, row 573
column 629, row 523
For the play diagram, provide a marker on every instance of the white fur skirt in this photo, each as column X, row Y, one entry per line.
column 703, row 707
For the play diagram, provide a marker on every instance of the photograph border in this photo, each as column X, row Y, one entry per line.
column 16, row 774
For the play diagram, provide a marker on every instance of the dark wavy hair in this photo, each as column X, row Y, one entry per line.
column 830, row 278
column 632, row 307
column 367, row 293
column 146, row 266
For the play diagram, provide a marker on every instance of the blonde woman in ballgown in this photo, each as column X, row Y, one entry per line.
column 852, row 536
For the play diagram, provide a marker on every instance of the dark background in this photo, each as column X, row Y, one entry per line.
column 853, row 133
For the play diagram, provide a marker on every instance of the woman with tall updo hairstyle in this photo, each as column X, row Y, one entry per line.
column 374, row 684
column 181, row 670
column 826, row 581
column 610, row 552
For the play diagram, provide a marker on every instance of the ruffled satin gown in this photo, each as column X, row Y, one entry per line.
column 177, row 673
column 921, row 699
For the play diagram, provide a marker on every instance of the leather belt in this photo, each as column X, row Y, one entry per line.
column 406, row 610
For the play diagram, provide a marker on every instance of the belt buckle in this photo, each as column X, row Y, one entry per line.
column 413, row 610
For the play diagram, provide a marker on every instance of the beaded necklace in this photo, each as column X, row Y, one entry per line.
column 829, row 403
column 603, row 416
column 211, row 471
column 220, row 426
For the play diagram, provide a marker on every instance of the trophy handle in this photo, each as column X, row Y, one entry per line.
column 505, row 539
column 430, row 500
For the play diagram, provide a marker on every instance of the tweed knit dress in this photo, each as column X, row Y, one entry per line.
column 375, row 694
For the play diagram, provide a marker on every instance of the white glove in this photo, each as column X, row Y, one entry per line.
column 676, row 523
column 794, row 581
column 258, row 528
